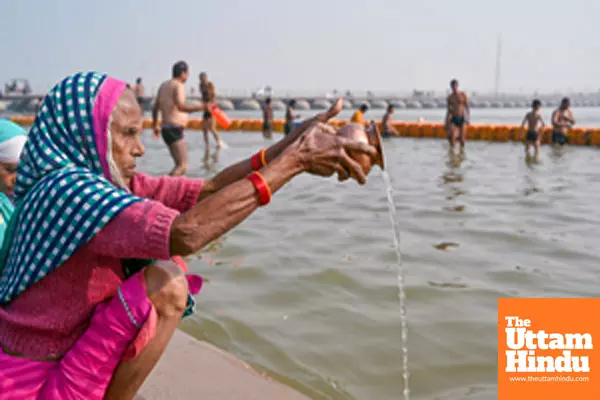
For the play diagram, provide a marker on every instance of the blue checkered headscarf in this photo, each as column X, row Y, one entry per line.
column 63, row 194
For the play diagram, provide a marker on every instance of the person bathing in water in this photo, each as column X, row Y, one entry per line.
column 290, row 117
column 359, row 115
column 458, row 115
column 267, row 119
column 139, row 92
column 386, row 123
column 170, row 102
column 532, row 119
column 209, row 96
column 562, row 120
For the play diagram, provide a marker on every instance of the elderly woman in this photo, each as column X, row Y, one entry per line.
column 76, row 321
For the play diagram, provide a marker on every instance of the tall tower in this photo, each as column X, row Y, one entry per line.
column 498, row 58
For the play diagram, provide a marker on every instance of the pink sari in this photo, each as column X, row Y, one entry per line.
column 119, row 330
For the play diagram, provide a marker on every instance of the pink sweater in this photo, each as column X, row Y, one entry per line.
column 49, row 317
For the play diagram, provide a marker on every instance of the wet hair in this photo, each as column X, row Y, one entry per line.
column 364, row 107
column 292, row 103
column 536, row 103
column 390, row 107
column 179, row 68
column 453, row 82
column 565, row 102
column 138, row 80
column 268, row 100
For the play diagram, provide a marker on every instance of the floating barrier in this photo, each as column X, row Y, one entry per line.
column 492, row 133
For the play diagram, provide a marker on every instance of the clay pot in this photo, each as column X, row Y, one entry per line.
column 371, row 136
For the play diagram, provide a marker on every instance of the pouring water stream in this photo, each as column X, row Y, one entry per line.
column 400, row 281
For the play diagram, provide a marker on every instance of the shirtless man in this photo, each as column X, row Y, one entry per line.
column 532, row 119
column 139, row 92
column 457, row 115
column 562, row 120
column 386, row 123
column 267, row 118
column 171, row 104
column 208, row 92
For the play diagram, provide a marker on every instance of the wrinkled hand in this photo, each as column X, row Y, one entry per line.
column 324, row 153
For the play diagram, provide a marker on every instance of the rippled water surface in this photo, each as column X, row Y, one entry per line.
column 306, row 287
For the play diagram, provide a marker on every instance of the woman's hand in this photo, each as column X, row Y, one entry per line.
column 319, row 151
column 322, row 152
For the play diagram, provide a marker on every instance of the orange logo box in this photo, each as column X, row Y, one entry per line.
column 547, row 349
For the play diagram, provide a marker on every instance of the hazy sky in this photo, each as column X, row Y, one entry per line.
column 391, row 45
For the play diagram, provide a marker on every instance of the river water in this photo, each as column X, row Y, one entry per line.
column 306, row 288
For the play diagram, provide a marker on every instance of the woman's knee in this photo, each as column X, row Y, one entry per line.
column 167, row 288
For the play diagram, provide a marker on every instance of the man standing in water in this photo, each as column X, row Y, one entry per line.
column 171, row 104
column 386, row 123
column 290, row 117
column 532, row 119
column 458, row 115
column 139, row 92
column 208, row 92
column 562, row 120
column 267, row 118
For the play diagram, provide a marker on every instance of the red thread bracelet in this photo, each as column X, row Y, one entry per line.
column 258, row 160
column 264, row 192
